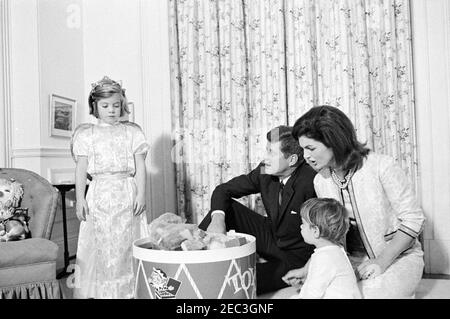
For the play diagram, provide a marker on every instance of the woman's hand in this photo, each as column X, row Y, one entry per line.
column 296, row 277
column 371, row 268
column 82, row 210
column 139, row 205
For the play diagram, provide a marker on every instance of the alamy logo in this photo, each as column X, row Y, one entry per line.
column 165, row 287
column 73, row 281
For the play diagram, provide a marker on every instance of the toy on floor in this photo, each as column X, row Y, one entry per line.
column 169, row 232
column 13, row 220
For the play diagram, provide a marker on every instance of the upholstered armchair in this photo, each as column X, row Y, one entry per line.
column 28, row 267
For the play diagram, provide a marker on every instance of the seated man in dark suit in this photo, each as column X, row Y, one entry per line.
column 285, row 181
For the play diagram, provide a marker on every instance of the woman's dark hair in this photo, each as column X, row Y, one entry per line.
column 331, row 127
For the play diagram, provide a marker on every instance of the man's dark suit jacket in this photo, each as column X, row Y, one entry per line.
column 286, row 221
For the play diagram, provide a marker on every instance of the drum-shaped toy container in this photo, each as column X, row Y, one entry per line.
column 226, row 273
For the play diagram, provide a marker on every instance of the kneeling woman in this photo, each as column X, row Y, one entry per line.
column 385, row 217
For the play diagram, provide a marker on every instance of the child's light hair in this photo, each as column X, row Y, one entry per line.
column 329, row 216
column 105, row 88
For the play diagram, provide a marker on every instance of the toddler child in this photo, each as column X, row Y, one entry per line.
column 329, row 273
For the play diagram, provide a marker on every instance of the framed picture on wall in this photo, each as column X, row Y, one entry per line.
column 63, row 112
column 131, row 109
column 130, row 116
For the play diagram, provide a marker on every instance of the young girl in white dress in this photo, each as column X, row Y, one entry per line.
column 112, row 214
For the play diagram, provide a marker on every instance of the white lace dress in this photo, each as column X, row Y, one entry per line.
column 104, row 255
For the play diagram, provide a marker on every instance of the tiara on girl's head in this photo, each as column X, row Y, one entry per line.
column 106, row 81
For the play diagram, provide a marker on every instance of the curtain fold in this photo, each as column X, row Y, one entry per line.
column 210, row 99
column 242, row 67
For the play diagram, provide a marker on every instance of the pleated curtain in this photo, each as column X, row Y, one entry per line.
column 242, row 67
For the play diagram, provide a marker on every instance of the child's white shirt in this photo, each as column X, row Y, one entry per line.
column 330, row 275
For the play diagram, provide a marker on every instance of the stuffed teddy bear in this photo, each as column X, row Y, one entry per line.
column 13, row 220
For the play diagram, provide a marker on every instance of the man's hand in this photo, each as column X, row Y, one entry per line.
column 217, row 224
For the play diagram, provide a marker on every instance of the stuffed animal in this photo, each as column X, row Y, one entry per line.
column 169, row 232
column 13, row 220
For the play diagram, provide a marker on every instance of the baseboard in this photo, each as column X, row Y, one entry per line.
column 436, row 276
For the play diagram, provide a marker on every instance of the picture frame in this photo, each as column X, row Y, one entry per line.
column 131, row 109
column 63, row 112
column 129, row 116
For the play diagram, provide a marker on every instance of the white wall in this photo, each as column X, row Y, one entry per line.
column 61, row 72
column 431, row 44
column 46, row 57
column 156, row 104
column 5, row 103
column 112, row 46
column 24, row 66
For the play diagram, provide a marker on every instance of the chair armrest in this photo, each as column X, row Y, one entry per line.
column 28, row 251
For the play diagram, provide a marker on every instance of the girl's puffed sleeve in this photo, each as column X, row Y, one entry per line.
column 402, row 197
column 79, row 144
column 139, row 145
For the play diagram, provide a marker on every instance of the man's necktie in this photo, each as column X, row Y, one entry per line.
column 280, row 194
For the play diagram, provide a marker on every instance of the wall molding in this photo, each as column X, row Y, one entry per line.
column 5, row 109
column 447, row 42
column 43, row 152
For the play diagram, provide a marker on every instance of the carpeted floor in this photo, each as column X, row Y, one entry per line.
column 428, row 289
column 433, row 289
